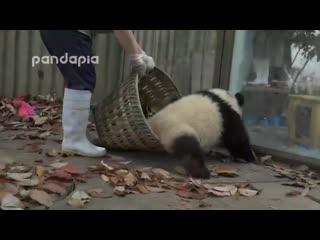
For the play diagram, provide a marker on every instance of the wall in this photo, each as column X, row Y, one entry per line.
column 188, row 56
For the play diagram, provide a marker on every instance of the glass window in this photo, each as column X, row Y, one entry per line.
column 279, row 74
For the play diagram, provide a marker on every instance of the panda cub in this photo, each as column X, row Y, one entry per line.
column 192, row 125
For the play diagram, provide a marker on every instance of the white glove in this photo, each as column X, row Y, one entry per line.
column 141, row 63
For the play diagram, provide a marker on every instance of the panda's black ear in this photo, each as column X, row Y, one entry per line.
column 240, row 99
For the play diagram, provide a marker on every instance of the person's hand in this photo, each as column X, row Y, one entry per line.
column 141, row 63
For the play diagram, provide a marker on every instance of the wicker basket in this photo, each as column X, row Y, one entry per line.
column 121, row 117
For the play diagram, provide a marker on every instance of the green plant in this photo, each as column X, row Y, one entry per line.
column 307, row 42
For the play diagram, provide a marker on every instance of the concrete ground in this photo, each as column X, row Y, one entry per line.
column 272, row 196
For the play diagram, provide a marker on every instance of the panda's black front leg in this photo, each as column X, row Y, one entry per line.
column 188, row 150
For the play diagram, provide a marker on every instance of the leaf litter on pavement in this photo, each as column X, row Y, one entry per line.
column 35, row 185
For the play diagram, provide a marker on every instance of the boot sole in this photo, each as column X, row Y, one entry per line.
column 74, row 153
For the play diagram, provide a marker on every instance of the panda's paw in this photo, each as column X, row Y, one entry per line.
column 200, row 172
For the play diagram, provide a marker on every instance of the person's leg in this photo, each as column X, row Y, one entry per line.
column 80, row 83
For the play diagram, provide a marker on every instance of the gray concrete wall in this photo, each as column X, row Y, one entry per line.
column 188, row 56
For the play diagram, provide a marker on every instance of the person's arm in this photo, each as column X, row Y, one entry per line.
column 128, row 42
column 140, row 61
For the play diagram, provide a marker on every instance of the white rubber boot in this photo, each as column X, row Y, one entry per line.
column 76, row 108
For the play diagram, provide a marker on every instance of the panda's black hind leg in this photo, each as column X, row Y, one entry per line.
column 187, row 149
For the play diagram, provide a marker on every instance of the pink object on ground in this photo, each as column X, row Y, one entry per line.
column 24, row 109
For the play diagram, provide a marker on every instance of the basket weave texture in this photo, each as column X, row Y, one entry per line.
column 121, row 117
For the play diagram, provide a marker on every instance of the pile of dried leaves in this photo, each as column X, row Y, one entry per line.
column 47, row 112
column 155, row 180
column 23, row 187
column 300, row 177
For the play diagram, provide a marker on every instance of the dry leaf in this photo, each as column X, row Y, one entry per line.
column 155, row 190
column 11, row 108
column 61, row 175
column 180, row 170
column 243, row 185
column 142, row 189
column 196, row 182
column 11, row 137
column 100, row 169
column 265, row 159
column 29, row 182
column 120, row 191
column 301, row 168
column 121, row 172
column 145, row 169
column 182, row 187
column 130, row 179
column 81, row 195
column 43, row 136
column 24, row 193
column 177, row 179
column 19, row 176
column 228, row 188
column 53, row 188
column 10, row 202
column 219, row 194
column 114, row 180
column 6, row 186
column 132, row 191
column 77, row 203
column 310, row 181
column 144, row 176
column 225, row 171
column 107, row 166
column 20, row 169
column 248, row 192
column 221, row 191
column 105, row 178
column 213, row 174
column 41, row 197
column 5, row 192
column 236, row 196
column 70, row 169
column 52, row 153
column 98, row 193
column 118, row 166
column 125, row 163
column 161, row 173
column 40, row 171
column 58, row 165
column 38, row 121
column 293, row 194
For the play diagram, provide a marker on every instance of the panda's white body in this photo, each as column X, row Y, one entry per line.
column 194, row 115
column 194, row 124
